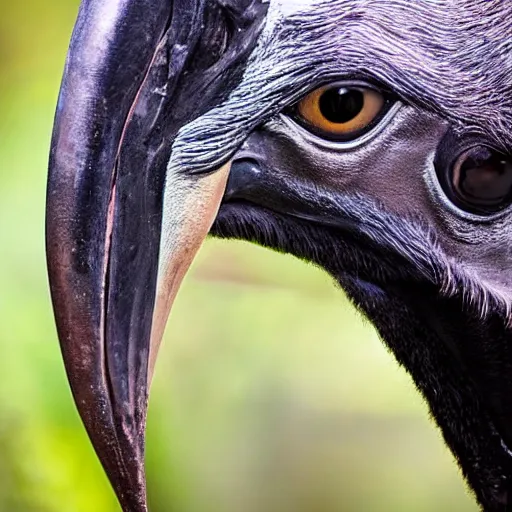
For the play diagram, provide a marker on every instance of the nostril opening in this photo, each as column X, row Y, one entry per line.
column 246, row 166
column 243, row 177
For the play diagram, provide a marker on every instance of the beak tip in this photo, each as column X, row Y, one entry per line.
column 129, row 481
column 126, row 470
column 134, row 500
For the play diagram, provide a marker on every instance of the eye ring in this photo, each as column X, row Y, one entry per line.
column 341, row 111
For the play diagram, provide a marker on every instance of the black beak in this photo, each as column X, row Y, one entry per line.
column 137, row 71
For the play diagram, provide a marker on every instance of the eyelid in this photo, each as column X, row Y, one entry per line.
column 336, row 145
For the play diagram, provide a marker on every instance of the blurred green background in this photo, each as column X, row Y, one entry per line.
column 271, row 394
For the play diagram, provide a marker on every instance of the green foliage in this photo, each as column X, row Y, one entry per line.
column 271, row 392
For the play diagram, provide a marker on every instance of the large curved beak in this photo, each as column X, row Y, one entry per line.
column 137, row 71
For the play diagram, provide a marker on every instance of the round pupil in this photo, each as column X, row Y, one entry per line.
column 340, row 105
column 485, row 177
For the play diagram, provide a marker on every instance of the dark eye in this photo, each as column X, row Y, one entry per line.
column 480, row 181
column 340, row 112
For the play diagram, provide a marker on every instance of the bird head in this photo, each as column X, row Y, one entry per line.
column 370, row 138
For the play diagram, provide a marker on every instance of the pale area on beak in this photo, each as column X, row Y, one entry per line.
column 190, row 207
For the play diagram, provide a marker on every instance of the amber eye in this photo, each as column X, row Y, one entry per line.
column 481, row 180
column 341, row 112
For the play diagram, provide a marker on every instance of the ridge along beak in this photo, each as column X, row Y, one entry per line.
column 137, row 71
